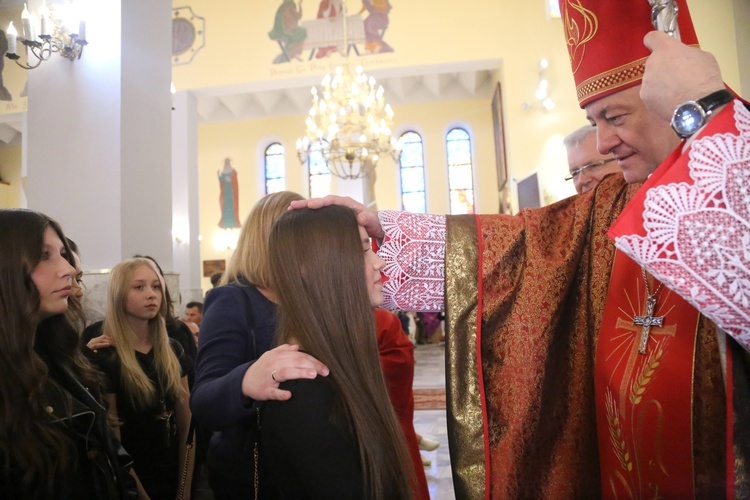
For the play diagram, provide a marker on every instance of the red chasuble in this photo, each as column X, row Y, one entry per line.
column 690, row 226
column 644, row 396
column 526, row 300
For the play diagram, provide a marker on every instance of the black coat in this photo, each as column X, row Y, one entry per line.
column 102, row 466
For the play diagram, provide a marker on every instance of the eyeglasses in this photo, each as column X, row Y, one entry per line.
column 592, row 166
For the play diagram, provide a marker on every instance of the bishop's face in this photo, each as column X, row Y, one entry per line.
column 636, row 137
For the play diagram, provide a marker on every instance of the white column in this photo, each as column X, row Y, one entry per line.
column 185, row 207
column 97, row 145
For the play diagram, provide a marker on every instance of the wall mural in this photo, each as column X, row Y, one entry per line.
column 324, row 35
column 188, row 35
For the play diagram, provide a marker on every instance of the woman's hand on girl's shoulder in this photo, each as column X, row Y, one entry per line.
column 100, row 342
column 285, row 362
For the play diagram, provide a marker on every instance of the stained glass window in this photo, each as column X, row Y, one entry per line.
column 553, row 8
column 412, row 173
column 460, row 171
column 320, row 176
column 275, row 168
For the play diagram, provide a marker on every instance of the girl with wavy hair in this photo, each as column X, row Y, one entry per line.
column 54, row 438
column 147, row 390
column 338, row 436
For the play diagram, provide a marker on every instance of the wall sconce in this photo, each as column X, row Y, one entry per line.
column 226, row 240
column 542, row 89
column 63, row 33
column 180, row 235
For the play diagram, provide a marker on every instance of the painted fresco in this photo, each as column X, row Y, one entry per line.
column 188, row 35
column 325, row 34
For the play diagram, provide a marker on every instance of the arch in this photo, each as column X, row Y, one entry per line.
column 460, row 171
column 274, row 168
column 412, row 173
column 319, row 176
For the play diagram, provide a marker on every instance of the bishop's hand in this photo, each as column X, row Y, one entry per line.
column 367, row 218
column 676, row 73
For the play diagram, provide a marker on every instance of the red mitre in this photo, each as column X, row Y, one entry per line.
column 605, row 43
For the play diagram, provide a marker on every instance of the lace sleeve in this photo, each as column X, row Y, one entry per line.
column 691, row 229
column 414, row 255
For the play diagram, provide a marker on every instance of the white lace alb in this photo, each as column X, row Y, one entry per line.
column 414, row 253
column 698, row 236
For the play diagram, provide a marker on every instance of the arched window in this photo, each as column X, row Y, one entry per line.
column 412, row 173
column 275, row 168
column 320, row 176
column 460, row 171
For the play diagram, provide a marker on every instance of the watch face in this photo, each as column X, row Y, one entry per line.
column 688, row 118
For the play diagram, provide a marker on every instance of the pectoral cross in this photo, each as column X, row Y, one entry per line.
column 647, row 321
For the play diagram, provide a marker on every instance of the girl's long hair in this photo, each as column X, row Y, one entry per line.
column 317, row 272
column 138, row 386
column 250, row 259
column 32, row 446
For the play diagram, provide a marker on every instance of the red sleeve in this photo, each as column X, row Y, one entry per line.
column 397, row 361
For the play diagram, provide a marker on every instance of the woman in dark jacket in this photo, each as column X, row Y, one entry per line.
column 54, row 438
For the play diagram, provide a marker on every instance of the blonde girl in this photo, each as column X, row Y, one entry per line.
column 147, row 389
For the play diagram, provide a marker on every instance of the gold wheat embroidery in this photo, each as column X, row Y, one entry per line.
column 647, row 373
column 615, row 433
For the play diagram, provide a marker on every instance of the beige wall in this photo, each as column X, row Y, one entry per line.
column 245, row 142
column 10, row 172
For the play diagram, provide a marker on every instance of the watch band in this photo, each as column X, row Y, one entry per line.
column 714, row 100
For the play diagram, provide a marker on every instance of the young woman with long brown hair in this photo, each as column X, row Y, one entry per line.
column 54, row 438
column 337, row 437
column 236, row 357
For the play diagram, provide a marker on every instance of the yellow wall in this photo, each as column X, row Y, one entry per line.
column 245, row 142
column 10, row 172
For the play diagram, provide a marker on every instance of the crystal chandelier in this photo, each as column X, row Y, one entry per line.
column 349, row 124
column 57, row 34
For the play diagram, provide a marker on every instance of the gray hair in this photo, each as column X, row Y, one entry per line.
column 578, row 136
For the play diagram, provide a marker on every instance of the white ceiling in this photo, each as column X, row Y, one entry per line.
column 452, row 82
column 461, row 81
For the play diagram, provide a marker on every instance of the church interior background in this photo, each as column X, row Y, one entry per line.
column 101, row 145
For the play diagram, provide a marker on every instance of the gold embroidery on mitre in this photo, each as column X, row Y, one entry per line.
column 611, row 79
column 580, row 27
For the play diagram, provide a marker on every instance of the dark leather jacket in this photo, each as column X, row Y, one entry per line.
column 103, row 464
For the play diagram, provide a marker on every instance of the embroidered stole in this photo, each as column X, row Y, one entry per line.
column 644, row 401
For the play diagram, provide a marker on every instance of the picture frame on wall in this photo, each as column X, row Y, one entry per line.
column 213, row 266
column 500, row 157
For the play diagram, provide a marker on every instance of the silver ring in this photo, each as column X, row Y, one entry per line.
column 273, row 376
